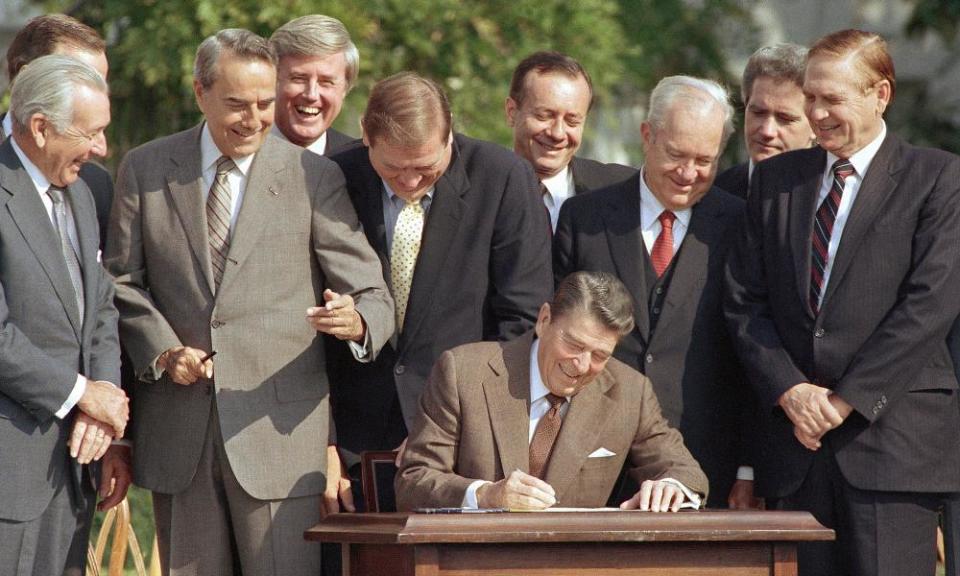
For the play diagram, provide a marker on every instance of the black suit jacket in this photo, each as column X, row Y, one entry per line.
column 879, row 340
column 591, row 175
column 481, row 275
column 735, row 180
column 689, row 357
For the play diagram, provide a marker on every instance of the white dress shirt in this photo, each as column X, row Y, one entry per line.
column 650, row 209
column 560, row 188
column 41, row 184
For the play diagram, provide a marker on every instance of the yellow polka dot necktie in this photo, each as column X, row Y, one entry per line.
column 403, row 256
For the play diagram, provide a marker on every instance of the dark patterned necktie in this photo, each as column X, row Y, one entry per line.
column 541, row 445
column 823, row 228
column 66, row 247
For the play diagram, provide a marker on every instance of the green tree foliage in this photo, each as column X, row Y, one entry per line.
column 470, row 47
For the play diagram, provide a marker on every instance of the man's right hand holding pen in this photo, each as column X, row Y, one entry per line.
column 186, row 365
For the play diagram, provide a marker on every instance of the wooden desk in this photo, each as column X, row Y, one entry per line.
column 704, row 543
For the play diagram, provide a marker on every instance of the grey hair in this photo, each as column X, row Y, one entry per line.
column 599, row 294
column 317, row 35
column 47, row 86
column 697, row 91
column 240, row 42
column 779, row 62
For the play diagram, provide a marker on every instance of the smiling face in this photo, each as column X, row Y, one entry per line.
column 410, row 171
column 239, row 105
column 680, row 158
column 310, row 93
column 548, row 122
column 774, row 121
column 845, row 115
column 60, row 155
column 574, row 348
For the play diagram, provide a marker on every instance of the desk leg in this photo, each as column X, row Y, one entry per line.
column 785, row 559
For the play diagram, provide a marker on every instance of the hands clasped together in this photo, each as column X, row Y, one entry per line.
column 814, row 411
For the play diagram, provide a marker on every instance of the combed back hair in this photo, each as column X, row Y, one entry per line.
column 47, row 86
column 239, row 42
column 546, row 62
column 599, row 294
column 42, row 35
column 867, row 52
column 694, row 92
column 407, row 109
column 780, row 62
column 317, row 35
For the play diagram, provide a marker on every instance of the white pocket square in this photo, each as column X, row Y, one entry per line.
column 601, row 453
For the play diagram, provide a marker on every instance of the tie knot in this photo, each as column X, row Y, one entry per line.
column 555, row 401
column 55, row 193
column 842, row 168
column 666, row 219
column 543, row 189
column 224, row 165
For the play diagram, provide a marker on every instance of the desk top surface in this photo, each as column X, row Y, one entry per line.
column 698, row 526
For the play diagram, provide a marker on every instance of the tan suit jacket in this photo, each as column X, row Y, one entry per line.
column 295, row 235
column 474, row 425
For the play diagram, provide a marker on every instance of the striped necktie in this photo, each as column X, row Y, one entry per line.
column 218, row 218
column 66, row 247
column 823, row 228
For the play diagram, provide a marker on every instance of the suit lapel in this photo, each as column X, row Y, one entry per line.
column 578, row 434
column 803, row 206
column 260, row 199
column 89, row 245
column 872, row 196
column 442, row 226
column 370, row 212
column 27, row 212
column 507, row 391
column 185, row 182
column 621, row 217
column 693, row 257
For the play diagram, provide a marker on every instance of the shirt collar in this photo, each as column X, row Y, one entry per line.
column 36, row 176
column 862, row 159
column 650, row 207
column 394, row 198
column 8, row 124
column 209, row 153
column 318, row 146
column 537, row 388
column 560, row 184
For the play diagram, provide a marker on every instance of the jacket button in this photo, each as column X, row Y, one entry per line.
column 818, row 333
column 216, row 324
column 649, row 358
column 656, row 311
column 399, row 369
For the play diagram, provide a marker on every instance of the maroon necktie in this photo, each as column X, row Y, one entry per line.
column 541, row 445
column 543, row 198
column 663, row 247
column 823, row 227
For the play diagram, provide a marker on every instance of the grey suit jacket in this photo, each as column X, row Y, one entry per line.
column 474, row 423
column 42, row 343
column 296, row 234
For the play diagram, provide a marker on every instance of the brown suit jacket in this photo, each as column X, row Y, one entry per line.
column 296, row 234
column 474, row 424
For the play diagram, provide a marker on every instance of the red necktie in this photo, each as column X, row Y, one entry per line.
column 823, row 227
column 663, row 248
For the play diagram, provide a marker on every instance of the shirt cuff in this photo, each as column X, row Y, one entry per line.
column 692, row 498
column 78, row 389
column 745, row 473
column 361, row 352
column 470, row 497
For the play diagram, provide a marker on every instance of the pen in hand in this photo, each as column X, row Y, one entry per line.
column 208, row 356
